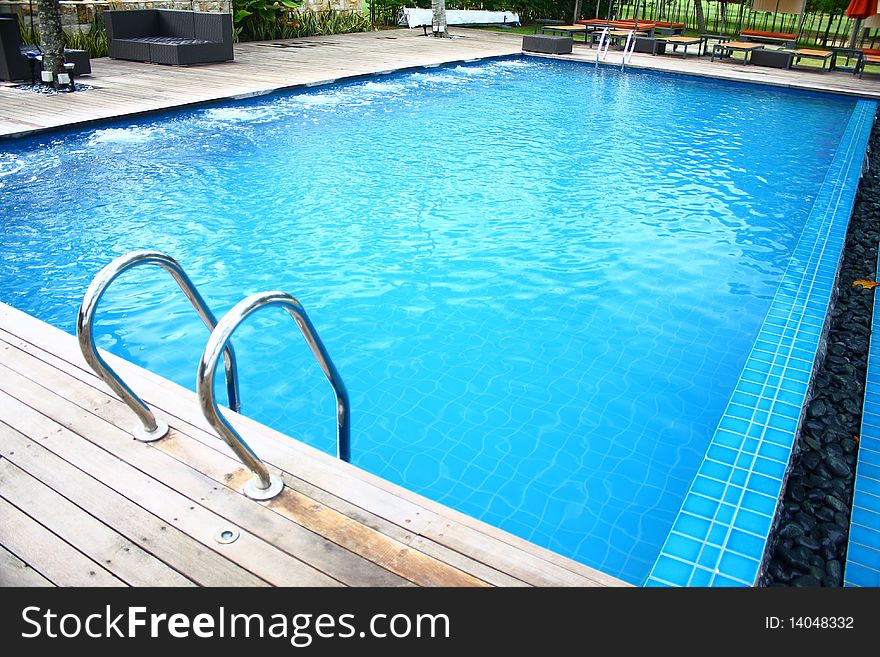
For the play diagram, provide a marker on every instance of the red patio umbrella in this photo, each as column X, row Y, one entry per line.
column 860, row 10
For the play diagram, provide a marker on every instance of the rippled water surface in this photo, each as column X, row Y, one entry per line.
column 538, row 280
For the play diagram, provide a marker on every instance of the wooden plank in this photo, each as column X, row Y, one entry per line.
column 323, row 523
column 461, row 562
column 518, row 563
column 15, row 572
column 184, row 512
column 301, row 545
column 339, row 480
column 181, row 552
column 329, row 523
column 276, row 451
column 45, row 552
column 104, row 545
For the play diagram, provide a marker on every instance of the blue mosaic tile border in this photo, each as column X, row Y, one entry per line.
column 719, row 535
column 863, row 552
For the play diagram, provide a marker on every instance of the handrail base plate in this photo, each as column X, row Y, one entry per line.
column 253, row 491
column 144, row 436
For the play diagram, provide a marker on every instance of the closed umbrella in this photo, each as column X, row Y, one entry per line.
column 860, row 10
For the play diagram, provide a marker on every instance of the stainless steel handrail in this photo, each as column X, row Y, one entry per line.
column 150, row 428
column 602, row 47
column 263, row 485
column 628, row 49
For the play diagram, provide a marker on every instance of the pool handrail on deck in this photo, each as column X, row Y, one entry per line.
column 150, row 428
column 264, row 485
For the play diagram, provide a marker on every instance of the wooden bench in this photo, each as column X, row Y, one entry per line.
column 684, row 41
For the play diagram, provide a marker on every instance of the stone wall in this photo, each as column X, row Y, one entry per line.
column 78, row 15
column 339, row 5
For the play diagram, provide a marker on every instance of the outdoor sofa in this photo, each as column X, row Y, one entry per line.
column 169, row 36
column 14, row 61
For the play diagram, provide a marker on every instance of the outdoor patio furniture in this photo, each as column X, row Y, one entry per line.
column 847, row 59
column 823, row 56
column 726, row 50
column 19, row 62
column 619, row 37
column 649, row 45
column 167, row 36
column 785, row 39
column 665, row 28
column 772, row 58
column 552, row 45
column 79, row 58
column 706, row 38
column 566, row 30
column 541, row 22
column 13, row 65
column 684, row 42
column 868, row 60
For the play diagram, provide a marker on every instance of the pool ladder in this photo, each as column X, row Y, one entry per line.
column 605, row 42
column 263, row 485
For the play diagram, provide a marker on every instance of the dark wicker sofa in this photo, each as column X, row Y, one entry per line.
column 14, row 62
column 168, row 36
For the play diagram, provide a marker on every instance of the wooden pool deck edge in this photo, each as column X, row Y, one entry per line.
column 123, row 89
column 82, row 503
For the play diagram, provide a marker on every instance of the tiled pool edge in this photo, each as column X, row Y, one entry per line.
column 720, row 533
column 863, row 550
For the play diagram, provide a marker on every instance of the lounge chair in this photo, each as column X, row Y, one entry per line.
column 684, row 41
column 669, row 29
column 726, row 50
column 786, row 39
column 867, row 60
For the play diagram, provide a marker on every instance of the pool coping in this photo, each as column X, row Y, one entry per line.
column 720, row 534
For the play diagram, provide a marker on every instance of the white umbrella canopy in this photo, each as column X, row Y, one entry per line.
column 873, row 21
column 779, row 6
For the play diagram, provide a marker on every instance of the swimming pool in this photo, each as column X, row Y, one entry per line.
column 539, row 280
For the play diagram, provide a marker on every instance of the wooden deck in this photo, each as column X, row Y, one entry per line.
column 82, row 503
column 124, row 88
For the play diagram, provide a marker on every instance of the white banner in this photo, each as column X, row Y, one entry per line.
column 413, row 17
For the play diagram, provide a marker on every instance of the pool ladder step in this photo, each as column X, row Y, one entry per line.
column 263, row 485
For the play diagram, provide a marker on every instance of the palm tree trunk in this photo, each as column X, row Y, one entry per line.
column 438, row 7
column 51, row 37
column 700, row 18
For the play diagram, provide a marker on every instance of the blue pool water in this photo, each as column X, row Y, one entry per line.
column 539, row 280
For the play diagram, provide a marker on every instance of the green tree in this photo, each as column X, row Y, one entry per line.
column 51, row 37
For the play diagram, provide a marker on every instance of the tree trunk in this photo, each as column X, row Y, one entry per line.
column 577, row 11
column 438, row 7
column 699, row 17
column 51, row 37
